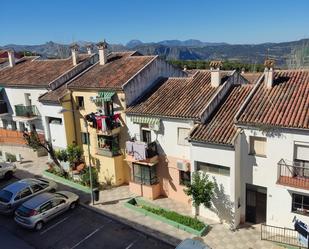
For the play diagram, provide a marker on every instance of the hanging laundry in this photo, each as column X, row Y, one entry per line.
column 104, row 125
column 139, row 150
column 129, row 147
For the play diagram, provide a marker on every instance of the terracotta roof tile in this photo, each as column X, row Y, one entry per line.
column 34, row 72
column 177, row 97
column 286, row 104
column 220, row 127
column 54, row 95
column 119, row 68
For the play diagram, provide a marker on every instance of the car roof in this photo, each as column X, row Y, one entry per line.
column 38, row 200
column 17, row 186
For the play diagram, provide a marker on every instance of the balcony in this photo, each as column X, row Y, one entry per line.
column 3, row 107
column 112, row 125
column 26, row 111
column 142, row 152
column 108, row 146
column 293, row 175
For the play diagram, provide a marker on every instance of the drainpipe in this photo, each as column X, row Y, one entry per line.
column 74, row 120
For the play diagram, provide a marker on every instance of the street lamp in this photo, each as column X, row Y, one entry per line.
column 63, row 110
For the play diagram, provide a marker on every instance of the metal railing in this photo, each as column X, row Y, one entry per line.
column 293, row 175
column 150, row 150
column 3, row 107
column 281, row 235
column 26, row 111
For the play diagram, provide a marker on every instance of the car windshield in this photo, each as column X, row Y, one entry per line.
column 5, row 196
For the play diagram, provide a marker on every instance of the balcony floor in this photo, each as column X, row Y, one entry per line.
column 295, row 182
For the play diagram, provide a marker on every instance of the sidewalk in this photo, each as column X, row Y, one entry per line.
column 111, row 203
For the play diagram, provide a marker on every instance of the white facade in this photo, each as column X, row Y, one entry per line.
column 263, row 171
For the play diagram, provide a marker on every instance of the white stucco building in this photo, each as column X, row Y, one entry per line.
column 22, row 83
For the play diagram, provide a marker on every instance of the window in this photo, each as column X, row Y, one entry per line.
column 300, row 204
column 145, row 174
column 258, row 146
column 212, row 168
column 182, row 135
column 184, row 177
column 108, row 108
column 58, row 202
column 301, row 160
column 80, row 102
column 22, row 194
column 146, row 134
column 36, row 188
column 109, row 143
column 46, row 206
column 85, row 137
column 57, row 121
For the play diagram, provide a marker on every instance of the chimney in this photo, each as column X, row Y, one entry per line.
column 74, row 49
column 11, row 56
column 185, row 68
column 243, row 70
column 89, row 48
column 102, row 46
column 215, row 73
column 269, row 73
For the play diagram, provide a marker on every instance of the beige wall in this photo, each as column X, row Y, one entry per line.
column 111, row 169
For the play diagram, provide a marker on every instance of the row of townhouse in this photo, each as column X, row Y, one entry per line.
column 151, row 125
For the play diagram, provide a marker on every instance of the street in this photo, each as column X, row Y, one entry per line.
column 80, row 228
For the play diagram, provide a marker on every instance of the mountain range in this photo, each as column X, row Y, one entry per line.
column 283, row 52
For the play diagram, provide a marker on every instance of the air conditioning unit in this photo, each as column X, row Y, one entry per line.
column 183, row 165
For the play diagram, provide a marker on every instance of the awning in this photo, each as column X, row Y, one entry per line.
column 145, row 120
column 106, row 95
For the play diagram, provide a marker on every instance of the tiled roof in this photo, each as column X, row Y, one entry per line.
column 54, row 95
column 177, row 97
column 220, row 127
column 120, row 67
column 286, row 104
column 251, row 77
column 34, row 72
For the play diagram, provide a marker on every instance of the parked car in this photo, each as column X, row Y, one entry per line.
column 7, row 169
column 18, row 192
column 35, row 212
column 192, row 244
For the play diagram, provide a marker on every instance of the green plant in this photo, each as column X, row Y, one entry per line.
column 62, row 155
column 74, row 154
column 10, row 157
column 171, row 215
column 201, row 189
column 86, row 177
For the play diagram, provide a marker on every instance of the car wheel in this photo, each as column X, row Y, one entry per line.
column 73, row 205
column 39, row 225
column 8, row 175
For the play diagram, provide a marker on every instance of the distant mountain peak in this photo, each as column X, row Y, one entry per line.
column 134, row 43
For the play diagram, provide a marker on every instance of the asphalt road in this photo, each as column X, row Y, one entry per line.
column 80, row 228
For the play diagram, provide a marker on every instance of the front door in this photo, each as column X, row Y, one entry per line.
column 256, row 203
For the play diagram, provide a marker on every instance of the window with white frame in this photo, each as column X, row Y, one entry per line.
column 301, row 159
column 212, row 168
column 257, row 146
column 182, row 136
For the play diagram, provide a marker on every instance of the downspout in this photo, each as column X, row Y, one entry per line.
column 74, row 120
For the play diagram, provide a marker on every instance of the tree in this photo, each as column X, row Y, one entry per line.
column 201, row 190
column 33, row 140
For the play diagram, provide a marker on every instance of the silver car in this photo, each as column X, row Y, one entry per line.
column 18, row 192
column 7, row 169
column 35, row 212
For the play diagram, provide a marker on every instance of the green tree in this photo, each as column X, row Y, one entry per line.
column 201, row 190
column 86, row 177
column 35, row 142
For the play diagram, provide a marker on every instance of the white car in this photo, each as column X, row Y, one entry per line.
column 7, row 169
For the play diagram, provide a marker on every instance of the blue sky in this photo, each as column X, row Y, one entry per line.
column 237, row 21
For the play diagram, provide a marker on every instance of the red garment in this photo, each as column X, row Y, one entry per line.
column 99, row 122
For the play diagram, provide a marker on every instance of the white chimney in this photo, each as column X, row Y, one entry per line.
column 102, row 46
column 269, row 73
column 215, row 73
column 11, row 56
column 89, row 48
column 74, row 49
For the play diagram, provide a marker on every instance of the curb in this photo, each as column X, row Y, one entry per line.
column 104, row 213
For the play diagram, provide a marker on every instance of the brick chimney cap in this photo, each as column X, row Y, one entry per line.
column 216, row 64
column 74, row 47
column 269, row 63
column 102, row 44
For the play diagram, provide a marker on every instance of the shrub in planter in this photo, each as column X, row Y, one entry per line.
column 86, row 177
